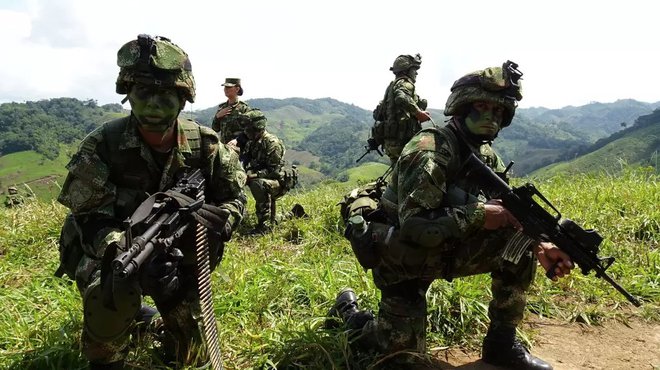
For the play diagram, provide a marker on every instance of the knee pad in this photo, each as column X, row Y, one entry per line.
column 104, row 323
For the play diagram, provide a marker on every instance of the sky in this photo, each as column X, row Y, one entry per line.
column 571, row 52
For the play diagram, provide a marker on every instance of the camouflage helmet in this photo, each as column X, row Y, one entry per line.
column 254, row 120
column 499, row 85
column 154, row 61
column 12, row 190
column 404, row 62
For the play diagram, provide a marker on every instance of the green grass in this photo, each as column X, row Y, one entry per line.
column 364, row 173
column 33, row 173
column 272, row 293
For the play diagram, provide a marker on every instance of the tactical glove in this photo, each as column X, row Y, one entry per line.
column 215, row 219
column 159, row 278
column 212, row 217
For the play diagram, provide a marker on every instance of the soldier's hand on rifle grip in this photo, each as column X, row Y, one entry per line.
column 498, row 217
column 554, row 261
column 159, row 279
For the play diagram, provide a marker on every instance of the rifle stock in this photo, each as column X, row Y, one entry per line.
column 581, row 245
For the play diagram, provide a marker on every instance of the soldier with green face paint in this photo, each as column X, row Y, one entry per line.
column 443, row 227
column 118, row 166
column 401, row 111
column 227, row 121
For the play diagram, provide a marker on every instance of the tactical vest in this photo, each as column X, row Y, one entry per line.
column 402, row 126
column 131, row 178
column 383, row 249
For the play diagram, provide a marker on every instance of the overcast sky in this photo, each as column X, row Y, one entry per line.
column 571, row 52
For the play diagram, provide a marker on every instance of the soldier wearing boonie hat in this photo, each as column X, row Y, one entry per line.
column 227, row 122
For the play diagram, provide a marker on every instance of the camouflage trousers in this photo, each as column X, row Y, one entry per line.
column 265, row 193
column 401, row 320
column 180, row 334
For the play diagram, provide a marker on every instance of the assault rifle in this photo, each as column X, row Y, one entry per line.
column 539, row 224
column 371, row 145
column 166, row 223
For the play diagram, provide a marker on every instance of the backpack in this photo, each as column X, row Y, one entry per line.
column 362, row 201
column 380, row 114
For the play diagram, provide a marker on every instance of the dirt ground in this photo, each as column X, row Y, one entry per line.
column 612, row 346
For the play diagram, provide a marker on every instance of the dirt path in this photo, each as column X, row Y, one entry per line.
column 613, row 346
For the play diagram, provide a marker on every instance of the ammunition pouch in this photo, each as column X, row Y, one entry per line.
column 70, row 248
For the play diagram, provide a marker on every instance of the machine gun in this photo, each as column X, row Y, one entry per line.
column 371, row 145
column 166, row 223
column 581, row 245
column 166, row 220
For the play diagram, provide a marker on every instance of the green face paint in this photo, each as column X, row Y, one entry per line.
column 155, row 108
column 484, row 119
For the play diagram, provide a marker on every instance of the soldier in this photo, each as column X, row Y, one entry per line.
column 445, row 229
column 226, row 120
column 116, row 168
column 401, row 110
column 13, row 199
column 266, row 176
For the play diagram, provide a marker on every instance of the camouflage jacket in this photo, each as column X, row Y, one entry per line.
column 402, row 103
column 265, row 156
column 114, row 171
column 428, row 169
column 229, row 126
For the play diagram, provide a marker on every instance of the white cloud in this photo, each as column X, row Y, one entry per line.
column 572, row 52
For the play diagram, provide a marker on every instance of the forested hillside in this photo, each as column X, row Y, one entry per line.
column 45, row 124
column 638, row 145
column 323, row 137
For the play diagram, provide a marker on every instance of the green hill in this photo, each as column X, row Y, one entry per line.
column 638, row 145
column 325, row 136
column 31, row 172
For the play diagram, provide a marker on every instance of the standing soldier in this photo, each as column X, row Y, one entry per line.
column 266, row 176
column 227, row 119
column 116, row 168
column 445, row 228
column 400, row 114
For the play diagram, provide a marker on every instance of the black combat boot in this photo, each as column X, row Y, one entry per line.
column 298, row 211
column 502, row 348
column 260, row 230
column 346, row 309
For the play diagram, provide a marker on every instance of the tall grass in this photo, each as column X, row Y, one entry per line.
column 272, row 292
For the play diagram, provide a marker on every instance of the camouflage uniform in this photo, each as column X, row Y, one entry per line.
column 111, row 175
column 230, row 126
column 435, row 229
column 430, row 165
column 115, row 170
column 266, row 161
column 396, row 114
column 401, row 103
